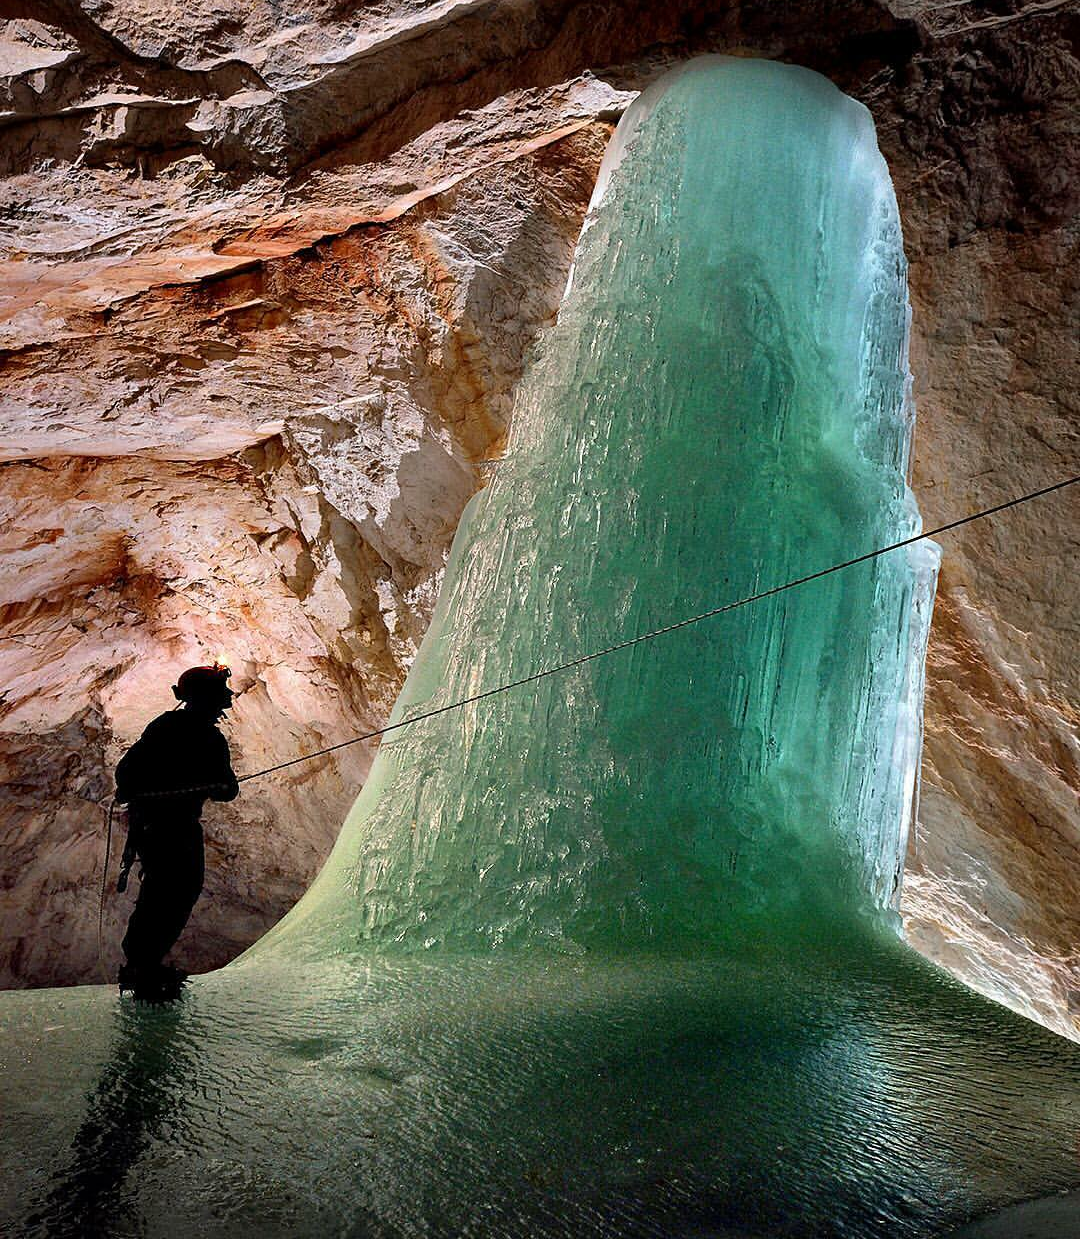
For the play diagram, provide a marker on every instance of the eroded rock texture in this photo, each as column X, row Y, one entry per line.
column 269, row 283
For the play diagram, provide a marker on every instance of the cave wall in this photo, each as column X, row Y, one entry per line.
column 268, row 284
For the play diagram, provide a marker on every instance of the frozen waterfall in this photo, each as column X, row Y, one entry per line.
column 723, row 406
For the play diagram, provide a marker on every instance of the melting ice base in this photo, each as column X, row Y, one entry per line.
column 697, row 1018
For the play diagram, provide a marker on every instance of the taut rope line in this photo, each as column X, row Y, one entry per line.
column 659, row 632
column 611, row 649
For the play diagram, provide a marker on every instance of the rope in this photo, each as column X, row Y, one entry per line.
column 585, row 658
column 659, row 632
column 105, row 875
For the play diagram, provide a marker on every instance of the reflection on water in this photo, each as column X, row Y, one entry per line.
column 137, row 1099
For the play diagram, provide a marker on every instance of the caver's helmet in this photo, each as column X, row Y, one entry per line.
column 204, row 686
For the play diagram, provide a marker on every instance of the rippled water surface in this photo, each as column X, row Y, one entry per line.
column 534, row 1095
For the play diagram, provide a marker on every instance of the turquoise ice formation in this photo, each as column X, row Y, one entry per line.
column 615, row 953
column 723, row 406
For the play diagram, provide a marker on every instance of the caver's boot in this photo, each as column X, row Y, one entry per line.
column 158, row 983
column 126, row 977
column 171, row 980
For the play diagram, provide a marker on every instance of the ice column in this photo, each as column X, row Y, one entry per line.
column 723, row 405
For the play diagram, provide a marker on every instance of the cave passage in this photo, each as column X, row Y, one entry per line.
column 616, row 953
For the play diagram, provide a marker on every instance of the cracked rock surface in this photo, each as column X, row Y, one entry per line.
column 267, row 283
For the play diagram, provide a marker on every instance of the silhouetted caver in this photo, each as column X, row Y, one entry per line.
column 179, row 762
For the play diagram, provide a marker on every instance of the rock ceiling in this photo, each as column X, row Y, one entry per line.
column 269, row 281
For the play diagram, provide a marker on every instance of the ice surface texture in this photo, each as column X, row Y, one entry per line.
column 722, row 407
column 614, row 954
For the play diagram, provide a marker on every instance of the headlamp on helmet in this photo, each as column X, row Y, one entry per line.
column 202, row 684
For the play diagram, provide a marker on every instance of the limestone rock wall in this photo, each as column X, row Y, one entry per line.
column 268, row 284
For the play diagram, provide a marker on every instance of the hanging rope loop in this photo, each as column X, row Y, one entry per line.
column 105, row 874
